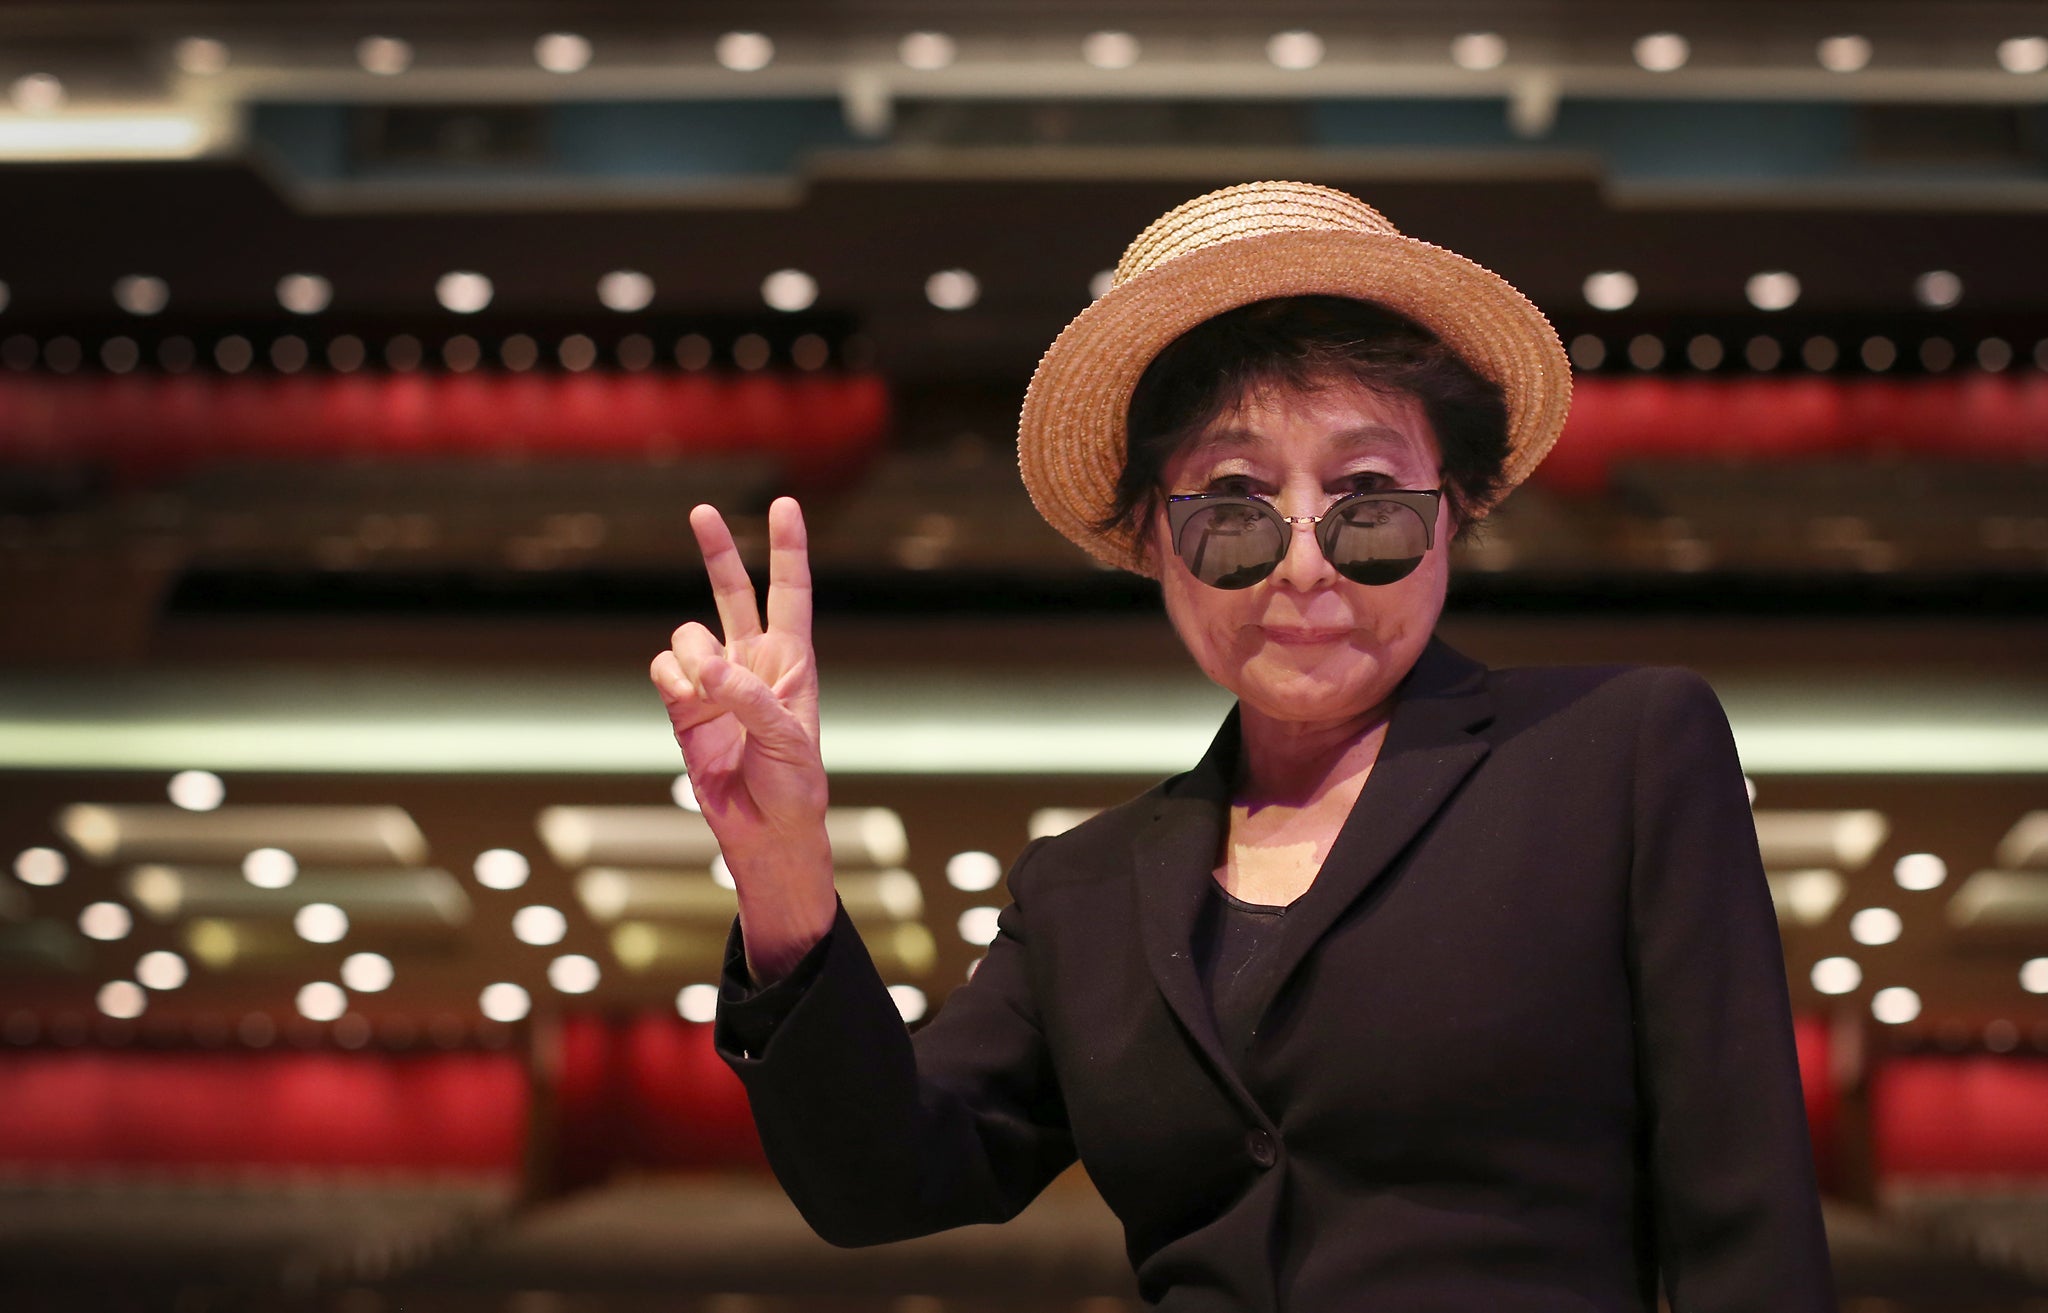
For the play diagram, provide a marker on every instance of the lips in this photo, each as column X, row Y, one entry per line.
column 1306, row 637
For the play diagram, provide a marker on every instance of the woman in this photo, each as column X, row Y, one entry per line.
column 1430, row 987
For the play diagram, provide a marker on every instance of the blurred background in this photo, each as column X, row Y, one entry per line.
column 359, row 363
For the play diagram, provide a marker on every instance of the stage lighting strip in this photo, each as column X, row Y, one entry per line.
column 429, row 722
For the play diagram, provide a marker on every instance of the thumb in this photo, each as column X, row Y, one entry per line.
column 768, row 722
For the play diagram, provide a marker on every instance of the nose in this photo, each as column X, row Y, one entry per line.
column 1304, row 567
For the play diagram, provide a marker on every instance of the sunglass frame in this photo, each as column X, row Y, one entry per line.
column 1423, row 502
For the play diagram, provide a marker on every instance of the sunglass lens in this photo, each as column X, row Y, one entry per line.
column 1231, row 544
column 1377, row 542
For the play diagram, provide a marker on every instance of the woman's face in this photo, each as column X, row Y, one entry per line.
column 1306, row 644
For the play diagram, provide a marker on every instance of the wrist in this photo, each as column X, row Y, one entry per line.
column 786, row 905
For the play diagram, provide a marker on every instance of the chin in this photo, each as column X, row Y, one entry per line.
column 1325, row 691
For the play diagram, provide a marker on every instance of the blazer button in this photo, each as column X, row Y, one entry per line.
column 1259, row 1144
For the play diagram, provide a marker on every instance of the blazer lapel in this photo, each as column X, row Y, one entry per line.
column 1427, row 753
column 1175, row 855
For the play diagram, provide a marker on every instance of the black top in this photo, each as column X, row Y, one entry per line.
column 1233, row 955
column 1537, row 1045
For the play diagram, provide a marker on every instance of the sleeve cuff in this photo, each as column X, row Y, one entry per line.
column 748, row 1013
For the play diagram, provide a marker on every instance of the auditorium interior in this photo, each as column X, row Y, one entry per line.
column 360, row 363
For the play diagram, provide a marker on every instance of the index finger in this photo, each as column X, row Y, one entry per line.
column 789, row 570
column 738, row 615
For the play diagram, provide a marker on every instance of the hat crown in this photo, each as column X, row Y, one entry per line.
column 1253, row 209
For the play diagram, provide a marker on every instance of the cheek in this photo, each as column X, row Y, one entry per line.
column 1211, row 622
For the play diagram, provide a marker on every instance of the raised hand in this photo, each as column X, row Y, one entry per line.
column 745, row 713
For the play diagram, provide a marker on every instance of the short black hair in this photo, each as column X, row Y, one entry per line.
column 1305, row 342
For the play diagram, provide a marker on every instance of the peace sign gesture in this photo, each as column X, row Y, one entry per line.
column 745, row 713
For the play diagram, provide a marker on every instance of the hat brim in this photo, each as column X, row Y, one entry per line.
column 1071, row 439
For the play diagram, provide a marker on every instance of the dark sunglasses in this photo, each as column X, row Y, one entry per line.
column 1373, row 537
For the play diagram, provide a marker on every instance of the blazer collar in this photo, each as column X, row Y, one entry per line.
column 1428, row 751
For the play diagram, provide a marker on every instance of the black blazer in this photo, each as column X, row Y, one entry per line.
column 1532, row 1047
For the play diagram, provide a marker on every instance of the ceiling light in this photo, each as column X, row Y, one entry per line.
column 573, row 973
column 697, row 1003
column 1919, row 871
column 270, row 868
column 367, row 973
column 464, row 292
column 234, row 353
column 37, row 93
column 321, row 923
column 1937, row 289
column 789, row 290
column 41, row 867
column 750, row 351
column 562, row 52
column 745, row 52
column 973, row 872
column 1610, row 289
column 501, row 868
column 1772, row 290
column 200, row 56
column 2034, row 975
column 121, row 999
column 141, row 294
column 1836, row 975
column 1843, row 54
column 625, row 290
column 504, row 1002
column 952, row 289
column 2023, row 54
column 304, row 294
column 461, row 353
column 577, row 352
column 1099, row 285
column 386, row 56
column 1662, row 52
column 1294, row 51
column 162, row 969
column 1479, row 51
column 685, row 794
column 1110, row 49
column 105, row 921
column 1895, row 1006
column 539, row 926
column 909, row 1000
column 978, row 925
column 1875, row 925
column 927, row 51
column 323, row 1000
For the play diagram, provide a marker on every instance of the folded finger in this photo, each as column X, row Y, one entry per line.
column 739, row 614
column 768, row 723
column 687, row 708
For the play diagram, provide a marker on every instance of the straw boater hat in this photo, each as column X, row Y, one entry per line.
column 1244, row 244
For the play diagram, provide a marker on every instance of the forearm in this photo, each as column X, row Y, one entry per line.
column 786, row 905
column 876, row 1138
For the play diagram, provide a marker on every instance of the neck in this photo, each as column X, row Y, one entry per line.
column 1292, row 763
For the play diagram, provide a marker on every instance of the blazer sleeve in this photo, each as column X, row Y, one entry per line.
column 1733, row 1191
column 877, row 1134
